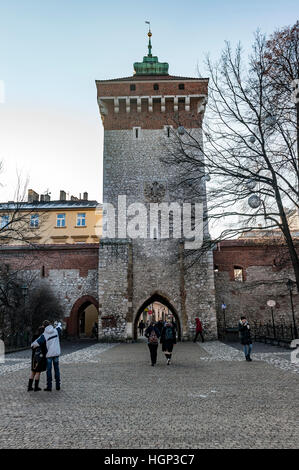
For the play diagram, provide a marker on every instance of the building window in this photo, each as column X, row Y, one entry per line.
column 136, row 132
column 81, row 219
column 156, row 86
column 238, row 274
column 181, row 86
column 216, row 269
column 132, row 87
column 34, row 221
column 60, row 221
column 43, row 271
column 4, row 221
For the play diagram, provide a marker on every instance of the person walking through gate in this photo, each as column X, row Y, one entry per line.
column 245, row 335
column 168, row 339
column 198, row 330
column 141, row 327
column 38, row 362
column 152, row 334
column 51, row 338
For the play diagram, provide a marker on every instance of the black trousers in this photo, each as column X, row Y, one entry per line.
column 201, row 335
column 153, row 352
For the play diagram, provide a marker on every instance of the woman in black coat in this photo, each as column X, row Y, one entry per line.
column 38, row 362
column 245, row 335
column 168, row 339
column 152, row 333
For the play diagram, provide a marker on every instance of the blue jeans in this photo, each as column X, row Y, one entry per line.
column 55, row 361
column 247, row 349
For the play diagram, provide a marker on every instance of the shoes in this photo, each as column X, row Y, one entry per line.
column 57, row 387
column 153, row 365
column 47, row 389
column 168, row 362
column 30, row 383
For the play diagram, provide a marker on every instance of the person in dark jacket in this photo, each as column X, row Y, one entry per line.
column 198, row 330
column 38, row 362
column 51, row 338
column 245, row 335
column 160, row 325
column 168, row 339
column 152, row 334
column 141, row 327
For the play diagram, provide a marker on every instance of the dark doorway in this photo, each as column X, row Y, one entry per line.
column 160, row 307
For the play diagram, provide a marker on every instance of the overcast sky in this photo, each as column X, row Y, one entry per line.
column 51, row 52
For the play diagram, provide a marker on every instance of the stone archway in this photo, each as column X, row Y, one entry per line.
column 80, row 305
column 157, row 297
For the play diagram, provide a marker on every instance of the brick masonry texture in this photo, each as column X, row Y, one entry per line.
column 70, row 271
column 266, row 268
column 146, row 119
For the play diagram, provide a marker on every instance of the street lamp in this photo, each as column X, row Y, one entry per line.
column 223, row 306
column 271, row 304
column 290, row 284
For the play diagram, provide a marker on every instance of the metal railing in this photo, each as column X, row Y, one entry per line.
column 277, row 334
column 17, row 341
column 280, row 334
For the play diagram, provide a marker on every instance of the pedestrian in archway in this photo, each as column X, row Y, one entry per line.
column 168, row 339
column 160, row 325
column 38, row 362
column 141, row 327
column 152, row 334
column 245, row 335
column 198, row 330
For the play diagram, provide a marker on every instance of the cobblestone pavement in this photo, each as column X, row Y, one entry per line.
column 111, row 397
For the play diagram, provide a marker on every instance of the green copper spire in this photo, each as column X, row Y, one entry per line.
column 150, row 64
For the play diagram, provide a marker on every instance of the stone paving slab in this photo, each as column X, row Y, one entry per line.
column 113, row 398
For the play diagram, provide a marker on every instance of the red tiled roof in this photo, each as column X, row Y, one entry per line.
column 151, row 77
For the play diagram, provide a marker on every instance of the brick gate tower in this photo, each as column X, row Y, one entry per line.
column 140, row 118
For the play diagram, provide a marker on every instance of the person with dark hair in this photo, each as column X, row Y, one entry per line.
column 50, row 337
column 198, row 330
column 152, row 334
column 168, row 338
column 160, row 325
column 141, row 327
column 38, row 362
column 245, row 335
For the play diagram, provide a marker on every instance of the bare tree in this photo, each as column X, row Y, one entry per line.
column 17, row 218
column 248, row 153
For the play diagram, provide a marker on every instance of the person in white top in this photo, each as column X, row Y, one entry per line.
column 51, row 336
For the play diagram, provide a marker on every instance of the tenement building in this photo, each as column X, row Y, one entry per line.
column 138, row 265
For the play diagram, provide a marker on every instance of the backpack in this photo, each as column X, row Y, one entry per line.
column 168, row 333
column 153, row 338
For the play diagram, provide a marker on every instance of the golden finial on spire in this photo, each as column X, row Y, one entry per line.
column 149, row 39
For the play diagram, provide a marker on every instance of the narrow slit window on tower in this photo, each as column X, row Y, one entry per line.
column 136, row 132
column 168, row 130
column 132, row 87
column 156, row 86
column 181, row 86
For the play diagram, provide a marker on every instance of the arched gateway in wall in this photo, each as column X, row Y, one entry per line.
column 73, row 321
column 156, row 297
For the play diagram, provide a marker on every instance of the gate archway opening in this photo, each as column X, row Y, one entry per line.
column 84, row 315
column 156, row 307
